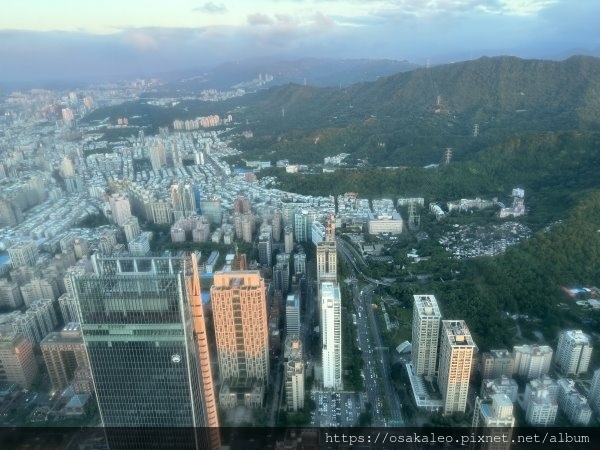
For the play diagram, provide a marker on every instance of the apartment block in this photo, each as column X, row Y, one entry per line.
column 532, row 361
column 456, row 359
column 425, row 334
column 573, row 352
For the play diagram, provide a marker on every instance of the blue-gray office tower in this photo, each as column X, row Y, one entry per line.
column 144, row 332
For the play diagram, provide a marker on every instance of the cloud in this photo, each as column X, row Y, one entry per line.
column 442, row 30
column 259, row 19
column 211, row 8
column 141, row 40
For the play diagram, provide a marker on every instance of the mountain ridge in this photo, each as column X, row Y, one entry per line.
column 502, row 95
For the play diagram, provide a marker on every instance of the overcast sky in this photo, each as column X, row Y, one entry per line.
column 68, row 39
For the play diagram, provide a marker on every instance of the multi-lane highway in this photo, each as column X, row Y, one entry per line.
column 376, row 369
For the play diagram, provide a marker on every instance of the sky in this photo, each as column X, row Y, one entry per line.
column 71, row 39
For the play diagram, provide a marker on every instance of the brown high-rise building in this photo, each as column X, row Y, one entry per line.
column 64, row 352
column 456, row 359
column 241, row 328
column 17, row 362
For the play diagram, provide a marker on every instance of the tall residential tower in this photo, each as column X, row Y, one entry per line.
column 331, row 335
column 456, row 358
column 425, row 334
column 242, row 334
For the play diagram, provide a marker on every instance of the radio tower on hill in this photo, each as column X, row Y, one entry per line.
column 447, row 156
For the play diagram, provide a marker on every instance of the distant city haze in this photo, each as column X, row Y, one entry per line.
column 69, row 41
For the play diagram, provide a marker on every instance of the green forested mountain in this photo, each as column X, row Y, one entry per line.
column 393, row 121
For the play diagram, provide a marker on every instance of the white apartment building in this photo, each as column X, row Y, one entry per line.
column 425, row 334
column 294, row 374
column 540, row 401
column 531, row 361
column 574, row 405
column 574, row 352
column 331, row 335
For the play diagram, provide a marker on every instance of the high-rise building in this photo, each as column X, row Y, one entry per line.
column 211, row 209
column 288, row 239
column 493, row 417
column 241, row 205
column 294, row 374
column 281, row 273
column 17, row 362
column 10, row 294
column 299, row 263
column 39, row 320
column 265, row 246
column 183, row 200
column 456, row 358
column 241, row 329
column 292, row 315
column 540, row 401
column 143, row 328
column 66, row 167
column 120, row 208
column 157, row 155
column 331, row 335
column 574, row 352
column 531, row 361
column 594, row 394
column 425, row 334
column 496, row 363
column 326, row 261
column 39, row 288
column 131, row 228
column 23, row 253
column 574, row 405
column 302, row 224
column 327, row 255
column 140, row 245
column 64, row 352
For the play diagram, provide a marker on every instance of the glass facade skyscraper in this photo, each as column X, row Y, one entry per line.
column 143, row 328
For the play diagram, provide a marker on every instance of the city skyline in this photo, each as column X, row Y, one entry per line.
column 116, row 39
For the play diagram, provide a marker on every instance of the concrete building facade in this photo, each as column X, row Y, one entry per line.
column 331, row 335
column 456, row 359
column 425, row 334
column 574, row 352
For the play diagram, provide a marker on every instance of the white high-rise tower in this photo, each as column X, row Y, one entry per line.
column 331, row 335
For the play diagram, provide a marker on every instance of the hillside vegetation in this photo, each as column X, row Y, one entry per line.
column 393, row 121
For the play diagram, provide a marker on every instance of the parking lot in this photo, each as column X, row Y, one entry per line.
column 336, row 409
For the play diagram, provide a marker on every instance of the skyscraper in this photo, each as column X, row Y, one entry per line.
column 327, row 255
column 64, row 352
column 143, row 329
column 183, row 199
column 241, row 329
column 425, row 334
column 292, row 314
column 456, row 359
column 120, row 208
column 17, row 362
column 331, row 335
